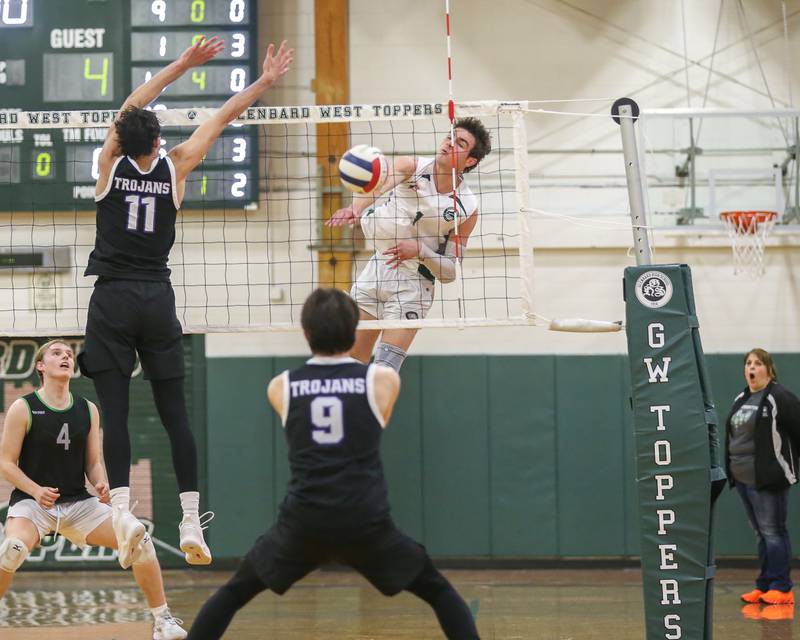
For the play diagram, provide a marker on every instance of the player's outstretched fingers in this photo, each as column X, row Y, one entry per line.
column 214, row 45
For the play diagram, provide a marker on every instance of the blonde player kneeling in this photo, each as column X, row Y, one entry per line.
column 413, row 235
column 50, row 445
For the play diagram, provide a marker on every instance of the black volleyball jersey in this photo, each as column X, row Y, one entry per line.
column 135, row 222
column 54, row 449
column 333, row 429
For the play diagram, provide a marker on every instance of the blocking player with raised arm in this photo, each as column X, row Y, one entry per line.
column 132, row 308
column 398, row 282
column 334, row 410
column 50, row 446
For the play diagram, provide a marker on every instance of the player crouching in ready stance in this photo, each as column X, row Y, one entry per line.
column 334, row 410
column 50, row 445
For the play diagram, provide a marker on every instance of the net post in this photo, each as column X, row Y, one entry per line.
column 522, row 187
column 625, row 112
column 678, row 469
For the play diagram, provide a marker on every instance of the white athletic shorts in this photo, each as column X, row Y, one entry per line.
column 392, row 294
column 73, row 520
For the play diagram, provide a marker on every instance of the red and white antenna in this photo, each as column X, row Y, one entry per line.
column 451, row 112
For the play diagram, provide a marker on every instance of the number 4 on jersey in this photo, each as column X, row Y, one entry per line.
column 63, row 436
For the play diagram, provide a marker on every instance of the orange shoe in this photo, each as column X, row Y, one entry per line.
column 777, row 612
column 752, row 611
column 752, row 596
column 773, row 596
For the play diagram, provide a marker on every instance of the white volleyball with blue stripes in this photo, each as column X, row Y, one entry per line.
column 363, row 168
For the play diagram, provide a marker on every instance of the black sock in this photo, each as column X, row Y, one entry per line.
column 171, row 406
column 113, row 390
column 217, row 613
column 453, row 614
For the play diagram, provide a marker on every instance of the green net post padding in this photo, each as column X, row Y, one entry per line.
column 677, row 451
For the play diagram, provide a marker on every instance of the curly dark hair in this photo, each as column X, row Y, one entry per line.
column 137, row 130
column 483, row 141
column 329, row 319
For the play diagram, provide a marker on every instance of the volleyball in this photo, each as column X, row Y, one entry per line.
column 363, row 169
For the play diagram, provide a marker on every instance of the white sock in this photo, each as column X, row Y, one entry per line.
column 160, row 611
column 190, row 503
column 121, row 498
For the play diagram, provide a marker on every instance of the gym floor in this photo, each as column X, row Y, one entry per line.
column 560, row 604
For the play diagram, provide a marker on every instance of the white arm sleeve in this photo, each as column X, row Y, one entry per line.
column 441, row 265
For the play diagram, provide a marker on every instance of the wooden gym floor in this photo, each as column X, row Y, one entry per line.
column 562, row 604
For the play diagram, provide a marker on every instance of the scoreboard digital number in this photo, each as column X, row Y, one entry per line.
column 89, row 55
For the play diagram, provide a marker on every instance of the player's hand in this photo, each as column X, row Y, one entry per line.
column 276, row 64
column 201, row 52
column 102, row 492
column 346, row 215
column 46, row 497
column 403, row 250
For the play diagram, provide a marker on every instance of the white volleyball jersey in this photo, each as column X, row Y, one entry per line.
column 430, row 213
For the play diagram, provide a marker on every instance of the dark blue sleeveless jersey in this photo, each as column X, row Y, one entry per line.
column 135, row 222
column 54, row 449
column 333, row 429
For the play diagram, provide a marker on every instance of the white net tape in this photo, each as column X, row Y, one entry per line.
column 748, row 232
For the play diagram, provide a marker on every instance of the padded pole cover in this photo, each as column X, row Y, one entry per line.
column 677, row 451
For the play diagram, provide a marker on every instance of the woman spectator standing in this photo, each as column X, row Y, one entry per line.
column 763, row 437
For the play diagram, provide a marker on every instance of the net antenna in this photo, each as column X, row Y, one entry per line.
column 451, row 113
column 522, row 186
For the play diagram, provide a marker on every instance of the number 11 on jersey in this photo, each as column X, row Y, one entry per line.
column 134, row 202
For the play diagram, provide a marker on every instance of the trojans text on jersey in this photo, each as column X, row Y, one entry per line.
column 160, row 187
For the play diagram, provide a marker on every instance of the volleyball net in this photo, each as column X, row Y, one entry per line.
column 250, row 240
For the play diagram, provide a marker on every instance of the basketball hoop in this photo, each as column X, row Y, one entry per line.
column 748, row 232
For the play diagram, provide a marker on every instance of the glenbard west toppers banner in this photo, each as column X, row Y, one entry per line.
column 677, row 458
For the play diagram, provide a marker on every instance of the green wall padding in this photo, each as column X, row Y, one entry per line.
column 402, row 453
column 241, row 473
column 591, row 459
column 455, row 450
column 486, row 456
column 522, row 456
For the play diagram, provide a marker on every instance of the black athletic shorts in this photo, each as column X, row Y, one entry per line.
column 126, row 316
column 380, row 552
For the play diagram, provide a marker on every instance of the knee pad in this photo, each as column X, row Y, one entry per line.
column 13, row 552
column 389, row 355
column 146, row 552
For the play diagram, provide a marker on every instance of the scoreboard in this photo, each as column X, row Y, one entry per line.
column 89, row 55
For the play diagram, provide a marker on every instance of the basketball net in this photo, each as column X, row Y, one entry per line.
column 748, row 232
